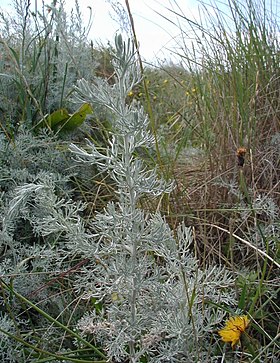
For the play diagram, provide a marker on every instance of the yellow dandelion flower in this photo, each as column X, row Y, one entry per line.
column 165, row 81
column 130, row 94
column 187, row 93
column 233, row 329
column 193, row 90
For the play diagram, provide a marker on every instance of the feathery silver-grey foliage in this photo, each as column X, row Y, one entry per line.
column 156, row 301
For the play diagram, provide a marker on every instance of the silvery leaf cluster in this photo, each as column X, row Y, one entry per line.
column 156, row 302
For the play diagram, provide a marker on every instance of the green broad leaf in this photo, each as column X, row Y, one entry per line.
column 60, row 120
column 55, row 118
column 76, row 119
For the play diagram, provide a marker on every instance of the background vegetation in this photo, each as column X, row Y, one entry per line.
column 137, row 244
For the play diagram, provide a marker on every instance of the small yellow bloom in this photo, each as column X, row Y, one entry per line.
column 165, row 81
column 140, row 94
column 233, row 329
column 187, row 93
column 193, row 90
column 130, row 94
column 115, row 296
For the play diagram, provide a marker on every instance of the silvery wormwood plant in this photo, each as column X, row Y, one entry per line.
column 39, row 221
column 154, row 302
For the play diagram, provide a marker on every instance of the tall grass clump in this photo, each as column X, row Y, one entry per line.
column 232, row 70
column 239, row 60
column 234, row 62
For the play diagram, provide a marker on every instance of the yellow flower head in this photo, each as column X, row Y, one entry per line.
column 233, row 329
column 130, row 94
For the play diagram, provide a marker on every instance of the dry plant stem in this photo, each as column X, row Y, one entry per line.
column 264, row 254
column 60, row 276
